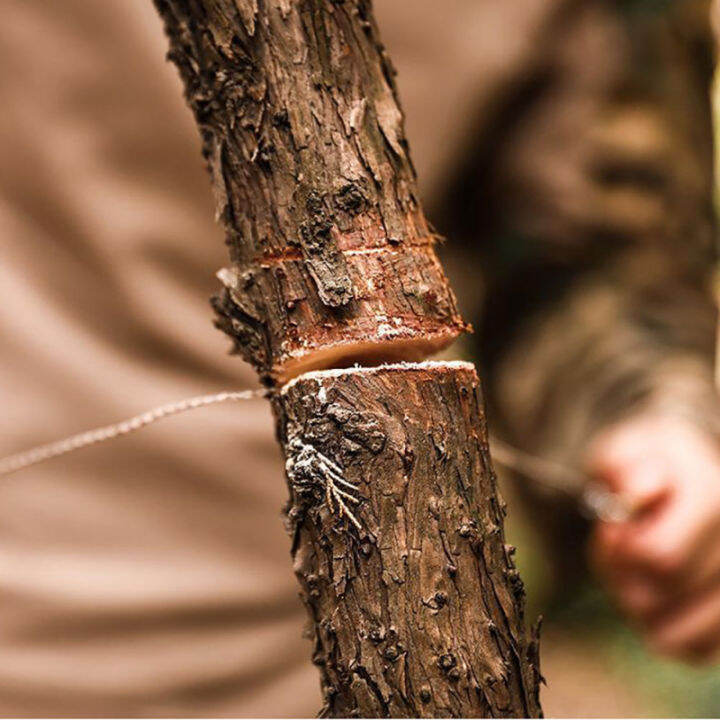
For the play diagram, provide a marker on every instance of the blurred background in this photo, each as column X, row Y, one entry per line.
column 594, row 662
column 564, row 148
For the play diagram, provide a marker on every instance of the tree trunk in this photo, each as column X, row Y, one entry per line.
column 396, row 524
column 398, row 545
column 332, row 256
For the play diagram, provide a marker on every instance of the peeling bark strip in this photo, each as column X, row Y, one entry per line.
column 398, row 544
column 304, row 138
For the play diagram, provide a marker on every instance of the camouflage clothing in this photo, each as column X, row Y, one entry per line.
column 587, row 207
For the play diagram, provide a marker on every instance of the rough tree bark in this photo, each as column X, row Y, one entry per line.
column 332, row 255
column 398, row 545
column 396, row 524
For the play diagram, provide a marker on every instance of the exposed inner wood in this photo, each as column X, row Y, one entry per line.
column 271, row 311
column 398, row 544
column 368, row 354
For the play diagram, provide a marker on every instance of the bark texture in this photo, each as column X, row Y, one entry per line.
column 395, row 518
column 304, row 138
column 416, row 605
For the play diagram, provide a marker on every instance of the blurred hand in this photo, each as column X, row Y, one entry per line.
column 662, row 565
